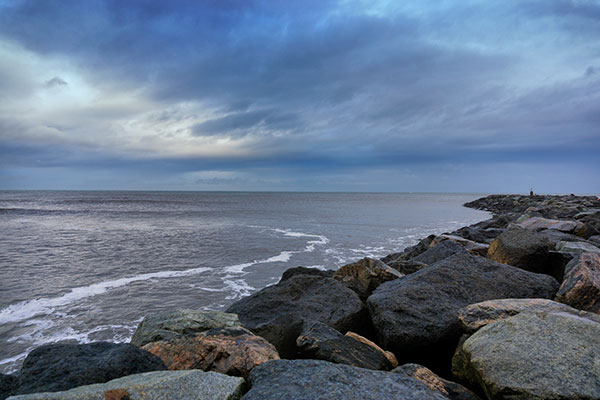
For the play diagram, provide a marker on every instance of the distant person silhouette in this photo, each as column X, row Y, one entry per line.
column 531, row 192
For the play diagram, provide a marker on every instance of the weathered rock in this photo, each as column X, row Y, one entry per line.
column 542, row 355
column 365, row 275
column 62, row 366
column 554, row 236
column 170, row 324
column 288, row 273
column 322, row 342
column 231, row 351
column 407, row 266
column 523, row 249
column 387, row 354
column 411, row 251
column 162, row 385
column 316, row 379
column 416, row 317
column 437, row 253
column 581, row 284
column 577, row 247
column 8, row 385
column 478, row 315
column 478, row 235
column 595, row 240
column 277, row 312
column 451, row 390
column 539, row 223
column 479, row 249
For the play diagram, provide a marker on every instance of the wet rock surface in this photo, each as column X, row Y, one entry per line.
column 62, row 366
column 277, row 312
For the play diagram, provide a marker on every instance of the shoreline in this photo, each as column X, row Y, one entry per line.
column 535, row 252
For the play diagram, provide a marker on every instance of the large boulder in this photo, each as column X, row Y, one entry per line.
column 577, row 247
column 322, row 342
column 450, row 389
column 533, row 356
column 162, row 385
column 581, row 284
column 365, row 275
column 8, row 385
column 288, row 273
column 277, row 312
column 416, row 317
column 478, row 315
column 411, row 251
column 231, row 351
column 406, row 266
column 62, row 366
column 523, row 249
column 316, row 379
column 388, row 354
column 170, row 324
column 539, row 223
column 438, row 252
column 477, row 248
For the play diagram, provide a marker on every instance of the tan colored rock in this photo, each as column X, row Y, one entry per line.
column 388, row 354
column 449, row 389
column 581, row 284
column 539, row 223
column 232, row 351
column 365, row 275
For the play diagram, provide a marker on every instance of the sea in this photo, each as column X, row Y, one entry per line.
column 88, row 266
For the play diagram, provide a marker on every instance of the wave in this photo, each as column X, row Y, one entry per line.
column 29, row 308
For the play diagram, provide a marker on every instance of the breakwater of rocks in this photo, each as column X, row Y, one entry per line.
column 507, row 308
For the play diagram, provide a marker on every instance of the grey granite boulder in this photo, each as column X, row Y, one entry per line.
column 523, row 249
column 577, row 247
column 437, row 253
column 533, row 356
column 277, row 312
column 478, row 315
column 581, row 284
column 322, row 342
column 162, row 385
column 539, row 223
column 365, row 275
column 416, row 317
column 62, row 366
column 170, row 324
column 450, row 389
column 321, row 380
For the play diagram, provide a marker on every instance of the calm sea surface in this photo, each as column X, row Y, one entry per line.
column 88, row 266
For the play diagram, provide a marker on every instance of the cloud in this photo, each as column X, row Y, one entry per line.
column 56, row 81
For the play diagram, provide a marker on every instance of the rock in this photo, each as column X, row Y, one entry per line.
column 365, row 275
column 407, row 266
column 539, row 223
column 478, row 315
column 478, row 235
column 542, row 355
column 62, row 366
column 8, row 385
column 316, row 379
column 277, row 312
column 410, row 252
column 449, row 389
column 288, row 273
column 577, row 247
column 595, row 240
column 388, row 354
column 322, row 342
column 439, row 252
column 479, row 249
column 416, row 317
column 523, row 249
column 555, row 236
column 231, row 351
column 581, row 284
column 170, row 324
column 162, row 385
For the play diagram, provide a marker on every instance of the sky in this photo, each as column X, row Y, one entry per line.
column 313, row 95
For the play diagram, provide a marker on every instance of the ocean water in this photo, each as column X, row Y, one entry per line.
column 87, row 266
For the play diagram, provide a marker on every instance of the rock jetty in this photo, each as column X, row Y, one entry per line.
column 507, row 308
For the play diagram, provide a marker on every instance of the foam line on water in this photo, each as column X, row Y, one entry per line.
column 29, row 308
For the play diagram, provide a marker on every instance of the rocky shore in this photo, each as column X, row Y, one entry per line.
column 507, row 308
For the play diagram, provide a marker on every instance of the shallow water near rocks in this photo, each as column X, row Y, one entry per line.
column 88, row 266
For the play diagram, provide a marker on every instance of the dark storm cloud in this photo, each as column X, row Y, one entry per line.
column 323, row 85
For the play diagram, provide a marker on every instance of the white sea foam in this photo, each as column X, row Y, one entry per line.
column 27, row 309
column 239, row 288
